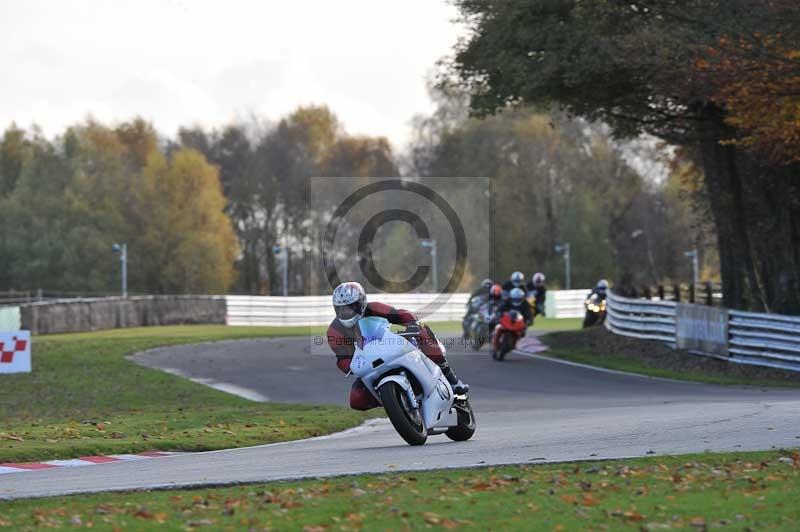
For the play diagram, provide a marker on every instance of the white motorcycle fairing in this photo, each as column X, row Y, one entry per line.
column 382, row 356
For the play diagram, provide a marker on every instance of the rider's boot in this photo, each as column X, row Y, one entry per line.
column 459, row 388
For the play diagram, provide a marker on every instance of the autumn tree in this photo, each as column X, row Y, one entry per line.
column 265, row 172
column 186, row 244
column 756, row 79
column 635, row 66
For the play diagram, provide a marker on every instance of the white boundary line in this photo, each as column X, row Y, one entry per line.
column 605, row 370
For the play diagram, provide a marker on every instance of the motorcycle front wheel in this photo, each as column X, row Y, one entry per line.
column 506, row 345
column 466, row 423
column 407, row 423
column 479, row 338
column 589, row 319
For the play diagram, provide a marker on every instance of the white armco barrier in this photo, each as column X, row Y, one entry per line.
column 565, row 303
column 317, row 310
column 759, row 339
column 641, row 318
column 10, row 319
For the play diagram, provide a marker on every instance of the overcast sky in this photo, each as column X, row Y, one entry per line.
column 207, row 62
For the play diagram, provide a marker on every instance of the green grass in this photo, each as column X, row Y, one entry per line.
column 642, row 368
column 656, row 360
column 557, row 324
column 737, row 491
column 83, row 397
column 539, row 324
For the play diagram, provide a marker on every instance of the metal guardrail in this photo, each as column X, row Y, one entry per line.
column 565, row 303
column 10, row 319
column 765, row 339
column 297, row 310
column 317, row 310
column 643, row 319
column 770, row 340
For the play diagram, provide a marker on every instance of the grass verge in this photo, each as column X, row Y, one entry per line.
column 598, row 347
column 539, row 324
column 557, row 324
column 738, row 491
column 83, row 398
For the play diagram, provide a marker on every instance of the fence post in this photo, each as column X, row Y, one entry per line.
column 647, row 293
column 661, row 292
column 676, row 289
column 709, row 293
column 691, row 293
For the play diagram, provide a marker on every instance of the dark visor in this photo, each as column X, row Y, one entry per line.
column 346, row 312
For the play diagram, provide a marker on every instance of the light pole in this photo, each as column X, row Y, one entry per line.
column 432, row 244
column 278, row 250
column 122, row 249
column 564, row 249
column 693, row 255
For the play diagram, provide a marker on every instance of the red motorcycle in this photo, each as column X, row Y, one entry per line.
column 507, row 333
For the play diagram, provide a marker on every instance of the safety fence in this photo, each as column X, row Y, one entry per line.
column 317, row 310
column 760, row 339
column 10, row 319
column 705, row 293
column 565, row 303
column 91, row 314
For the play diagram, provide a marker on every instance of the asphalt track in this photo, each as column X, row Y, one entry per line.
column 528, row 410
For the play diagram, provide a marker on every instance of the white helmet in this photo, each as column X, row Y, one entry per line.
column 517, row 278
column 349, row 302
column 538, row 278
column 517, row 295
column 602, row 284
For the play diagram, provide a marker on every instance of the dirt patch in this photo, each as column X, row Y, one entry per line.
column 598, row 343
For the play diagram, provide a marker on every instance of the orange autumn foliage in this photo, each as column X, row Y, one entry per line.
column 757, row 80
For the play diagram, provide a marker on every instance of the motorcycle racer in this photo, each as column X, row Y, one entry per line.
column 517, row 301
column 483, row 289
column 537, row 291
column 516, row 280
column 507, row 333
column 350, row 304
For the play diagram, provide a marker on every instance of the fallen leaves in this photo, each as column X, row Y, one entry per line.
column 444, row 522
column 649, row 495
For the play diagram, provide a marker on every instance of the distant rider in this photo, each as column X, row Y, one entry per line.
column 483, row 289
column 538, row 291
column 495, row 301
column 495, row 295
column 516, row 280
column 350, row 304
column 517, row 301
column 601, row 290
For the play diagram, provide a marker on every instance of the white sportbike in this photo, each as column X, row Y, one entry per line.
column 412, row 389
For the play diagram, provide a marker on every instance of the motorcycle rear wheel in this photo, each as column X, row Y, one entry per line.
column 466, row 423
column 412, row 430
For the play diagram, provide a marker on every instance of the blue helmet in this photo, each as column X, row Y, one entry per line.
column 517, row 295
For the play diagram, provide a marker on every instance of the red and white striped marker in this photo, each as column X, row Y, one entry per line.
column 531, row 344
column 77, row 462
